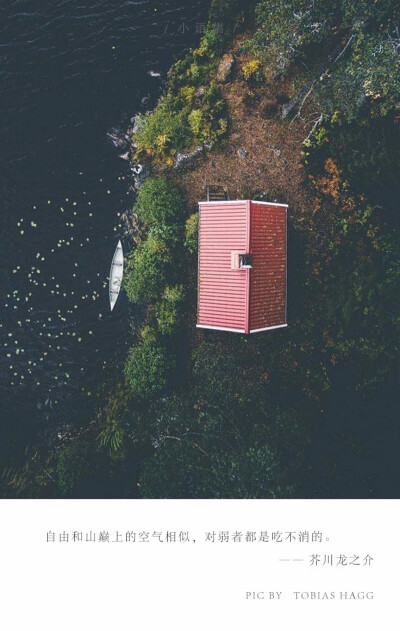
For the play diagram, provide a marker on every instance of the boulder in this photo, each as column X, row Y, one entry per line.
column 225, row 69
column 276, row 151
column 118, row 138
column 137, row 125
column 139, row 174
column 182, row 159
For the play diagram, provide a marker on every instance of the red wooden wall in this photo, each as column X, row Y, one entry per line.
column 268, row 275
column 242, row 300
column 221, row 290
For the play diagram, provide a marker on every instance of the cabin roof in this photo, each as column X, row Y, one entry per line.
column 242, row 299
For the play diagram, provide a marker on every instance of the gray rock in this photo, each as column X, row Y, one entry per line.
column 225, row 69
column 137, row 125
column 276, row 151
column 182, row 159
column 139, row 174
column 118, row 138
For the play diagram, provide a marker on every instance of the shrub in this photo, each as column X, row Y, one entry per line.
column 229, row 13
column 187, row 93
column 195, row 121
column 165, row 131
column 111, row 437
column 285, row 29
column 367, row 76
column 206, row 451
column 196, row 73
column 191, row 233
column 250, row 69
column 179, row 122
column 148, row 334
column 147, row 267
column 146, row 368
column 74, row 466
column 159, row 202
column 167, row 311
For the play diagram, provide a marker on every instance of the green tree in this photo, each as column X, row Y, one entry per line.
column 146, row 369
column 159, row 202
column 201, row 453
column 75, row 464
column 285, row 29
column 191, row 233
column 167, row 311
column 164, row 131
column 366, row 71
column 147, row 269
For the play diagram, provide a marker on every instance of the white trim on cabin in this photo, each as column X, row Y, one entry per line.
column 255, row 201
column 219, row 328
column 268, row 328
column 243, row 201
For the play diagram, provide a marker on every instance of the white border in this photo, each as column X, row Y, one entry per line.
column 216, row 575
column 243, row 201
column 268, row 328
column 219, row 328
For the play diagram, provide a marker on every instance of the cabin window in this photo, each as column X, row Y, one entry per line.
column 245, row 261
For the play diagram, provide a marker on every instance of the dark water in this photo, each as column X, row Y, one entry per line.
column 70, row 70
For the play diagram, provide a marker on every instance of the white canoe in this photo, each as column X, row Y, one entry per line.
column 116, row 273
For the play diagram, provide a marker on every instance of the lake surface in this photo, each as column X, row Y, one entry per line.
column 70, row 71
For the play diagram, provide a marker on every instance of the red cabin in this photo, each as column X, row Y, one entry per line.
column 242, row 266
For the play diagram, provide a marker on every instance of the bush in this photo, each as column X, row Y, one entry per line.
column 188, row 113
column 366, row 77
column 229, row 13
column 146, row 368
column 196, row 121
column 191, row 233
column 251, row 69
column 285, row 29
column 165, row 131
column 159, row 202
column 204, row 450
column 147, row 267
column 177, row 470
column 148, row 334
column 111, row 437
column 74, row 466
column 167, row 311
